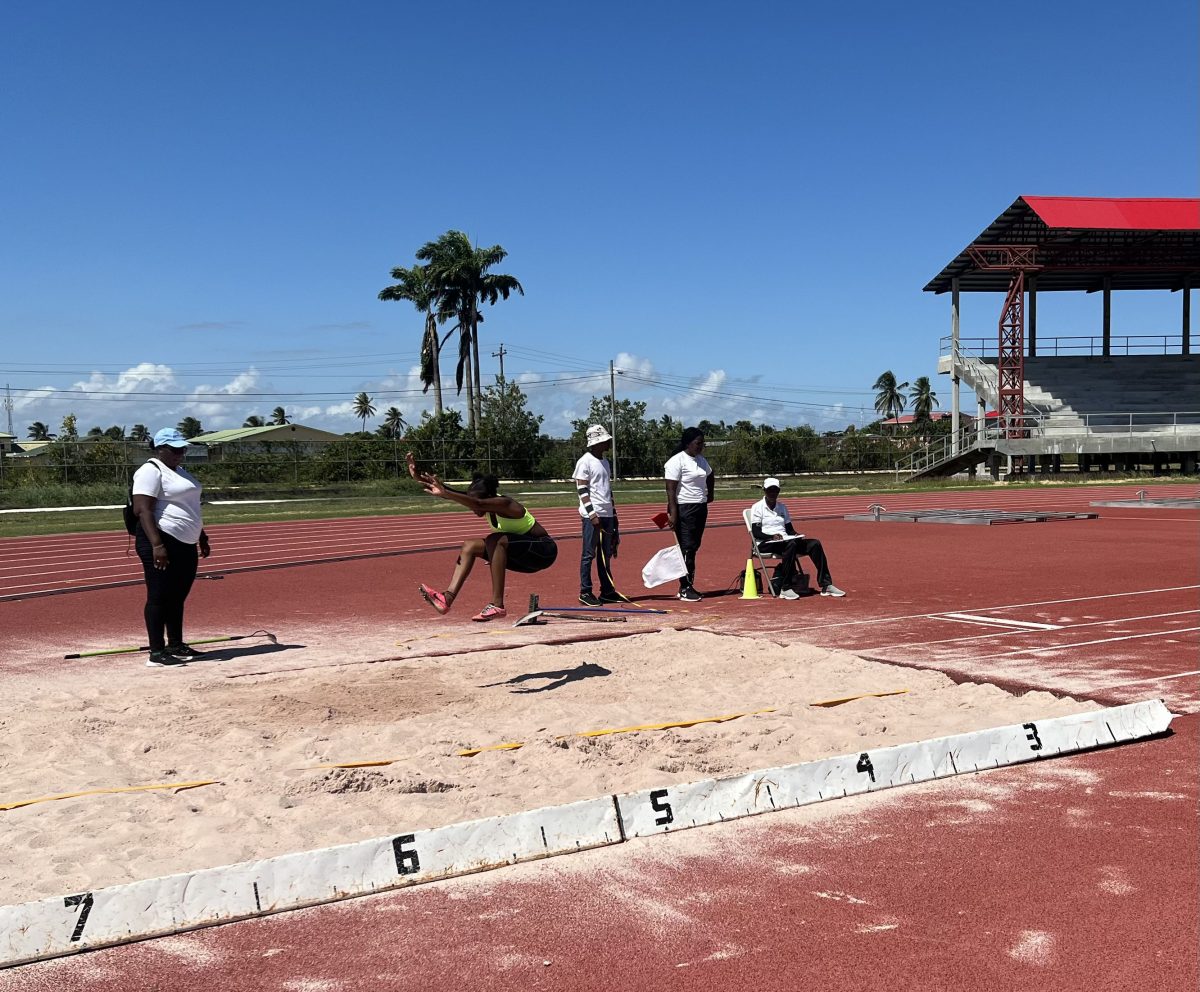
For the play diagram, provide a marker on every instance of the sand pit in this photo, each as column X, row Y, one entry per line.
column 260, row 736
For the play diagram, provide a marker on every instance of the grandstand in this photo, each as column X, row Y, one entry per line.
column 1105, row 401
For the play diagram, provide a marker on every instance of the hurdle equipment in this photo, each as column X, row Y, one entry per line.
column 876, row 513
column 536, row 611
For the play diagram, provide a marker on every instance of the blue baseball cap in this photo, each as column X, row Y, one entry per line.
column 171, row 438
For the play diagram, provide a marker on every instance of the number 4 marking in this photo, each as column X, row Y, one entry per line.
column 1035, row 742
column 864, row 765
column 84, row 901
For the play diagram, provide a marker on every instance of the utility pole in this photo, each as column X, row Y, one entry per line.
column 8, row 406
column 500, row 354
column 612, row 414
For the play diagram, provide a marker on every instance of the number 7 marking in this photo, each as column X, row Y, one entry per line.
column 84, row 902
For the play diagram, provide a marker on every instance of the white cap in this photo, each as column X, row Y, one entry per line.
column 772, row 483
column 597, row 435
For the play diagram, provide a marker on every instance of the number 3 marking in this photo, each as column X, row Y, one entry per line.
column 668, row 815
column 1035, row 742
column 84, row 901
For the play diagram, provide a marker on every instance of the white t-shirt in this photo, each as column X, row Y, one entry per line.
column 773, row 522
column 691, row 474
column 177, row 499
column 598, row 475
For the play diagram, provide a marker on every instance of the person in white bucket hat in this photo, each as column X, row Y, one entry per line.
column 593, row 483
column 772, row 527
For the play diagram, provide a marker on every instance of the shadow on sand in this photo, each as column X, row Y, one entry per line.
column 587, row 670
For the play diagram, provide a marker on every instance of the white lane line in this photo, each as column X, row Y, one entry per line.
column 1084, row 644
column 1014, row 606
column 1156, row 678
column 992, row 635
column 996, row 621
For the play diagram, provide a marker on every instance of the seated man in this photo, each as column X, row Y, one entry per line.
column 771, row 525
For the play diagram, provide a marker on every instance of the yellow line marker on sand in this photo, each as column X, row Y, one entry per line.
column 865, row 695
column 177, row 786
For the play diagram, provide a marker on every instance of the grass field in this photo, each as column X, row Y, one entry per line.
column 367, row 501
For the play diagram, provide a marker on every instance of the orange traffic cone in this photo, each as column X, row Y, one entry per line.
column 750, row 585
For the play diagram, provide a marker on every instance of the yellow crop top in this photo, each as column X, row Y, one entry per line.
column 512, row 525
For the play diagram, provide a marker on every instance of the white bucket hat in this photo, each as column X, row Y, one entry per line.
column 597, row 435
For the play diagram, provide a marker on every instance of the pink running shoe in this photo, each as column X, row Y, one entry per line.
column 434, row 598
column 490, row 612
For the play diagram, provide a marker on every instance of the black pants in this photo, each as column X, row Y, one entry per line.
column 689, row 531
column 607, row 526
column 166, row 590
column 790, row 551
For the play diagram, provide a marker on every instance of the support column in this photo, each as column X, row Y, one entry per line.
column 1010, row 362
column 1187, row 315
column 980, row 418
column 954, row 446
column 1107, row 316
column 1032, row 316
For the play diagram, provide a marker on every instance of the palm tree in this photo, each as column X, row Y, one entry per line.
column 254, row 420
column 393, row 422
column 139, row 434
column 39, row 431
column 189, row 427
column 363, row 408
column 418, row 286
column 923, row 397
column 279, row 417
column 460, row 270
column 890, row 399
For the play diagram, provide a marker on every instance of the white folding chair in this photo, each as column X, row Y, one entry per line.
column 761, row 556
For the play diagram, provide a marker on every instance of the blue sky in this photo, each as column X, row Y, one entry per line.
column 739, row 202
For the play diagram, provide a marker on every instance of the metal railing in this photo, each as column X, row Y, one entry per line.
column 1082, row 345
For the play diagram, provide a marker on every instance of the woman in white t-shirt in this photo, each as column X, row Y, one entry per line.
column 689, row 482
column 169, row 539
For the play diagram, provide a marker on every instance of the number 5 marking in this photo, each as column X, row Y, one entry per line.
column 84, row 901
column 668, row 815
column 1035, row 742
column 407, row 862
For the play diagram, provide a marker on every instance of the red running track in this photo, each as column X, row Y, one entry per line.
column 47, row 565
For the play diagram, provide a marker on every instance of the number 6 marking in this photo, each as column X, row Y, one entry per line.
column 1035, row 742
column 84, row 901
column 407, row 862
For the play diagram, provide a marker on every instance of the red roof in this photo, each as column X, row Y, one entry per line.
column 1103, row 213
column 908, row 418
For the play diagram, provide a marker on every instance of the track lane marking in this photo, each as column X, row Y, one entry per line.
column 1156, row 678
column 997, row 621
column 1085, row 644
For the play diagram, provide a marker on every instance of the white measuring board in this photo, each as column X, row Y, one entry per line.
column 120, row 914
column 693, row 804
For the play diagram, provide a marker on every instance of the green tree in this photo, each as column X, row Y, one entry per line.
column 461, row 273
column 254, row 420
column 924, row 398
column 279, row 417
column 639, row 445
column 189, row 427
column 95, row 432
column 140, row 434
column 514, row 430
column 39, row 432
column 364, row 407
column 890, row 399
column 393, row 422
column 115, row 433
column 418, row 287
column 69, row 429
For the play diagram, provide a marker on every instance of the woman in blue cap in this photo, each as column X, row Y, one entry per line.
column 170, row 540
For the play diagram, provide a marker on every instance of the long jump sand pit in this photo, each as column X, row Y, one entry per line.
column 261, row 736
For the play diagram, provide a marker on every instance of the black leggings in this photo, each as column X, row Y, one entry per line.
column 166, row 590
column 689, row 530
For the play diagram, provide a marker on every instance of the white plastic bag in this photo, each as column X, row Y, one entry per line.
column 663, row 567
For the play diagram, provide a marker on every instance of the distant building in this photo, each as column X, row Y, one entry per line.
column 294, row 438
column 893, row 424
column 6, row 443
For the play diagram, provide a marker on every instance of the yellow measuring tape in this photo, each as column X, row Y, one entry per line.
column 865, row 695
column 177, row 786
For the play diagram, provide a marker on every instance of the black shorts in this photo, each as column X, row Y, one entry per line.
column 530, row 554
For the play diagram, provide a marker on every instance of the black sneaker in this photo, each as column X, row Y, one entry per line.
column 183, row 652
column 690, row 596
column 613, row 600
column 587, row 599
column 163, row 659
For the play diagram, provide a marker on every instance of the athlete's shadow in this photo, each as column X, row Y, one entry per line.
column 249, row 651
column 562, row 677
